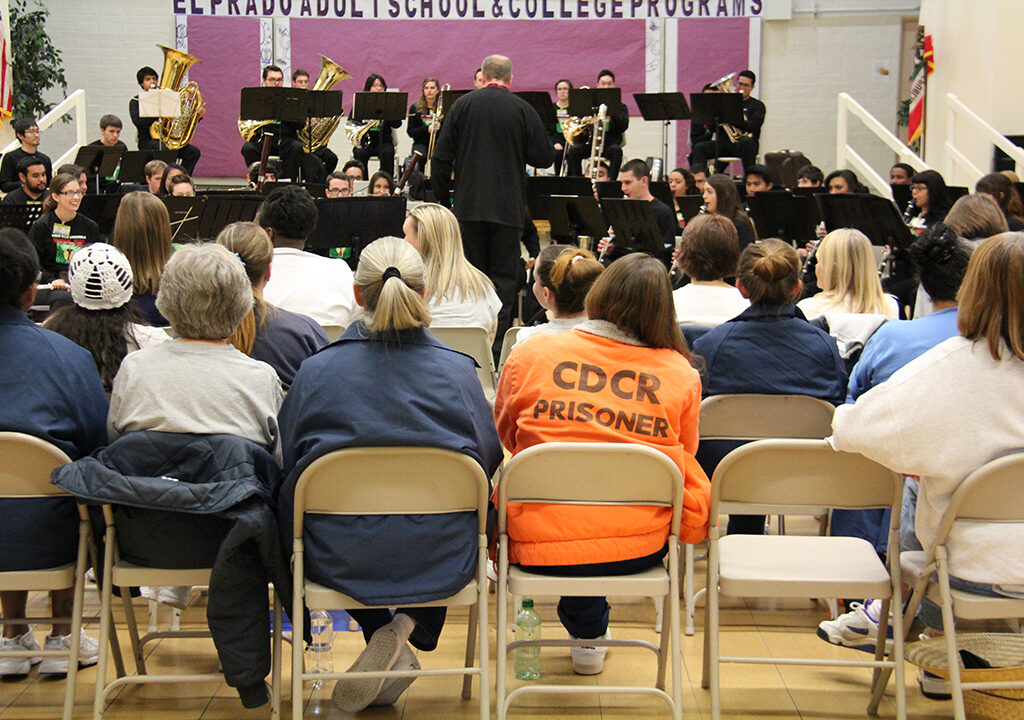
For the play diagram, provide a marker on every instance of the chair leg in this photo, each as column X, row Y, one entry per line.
column 467, row 680
column 688, row 586
column 275, row 668
column 483, row 627
column 664, row 651
column 501, row 605
column 76, row 625
column 297, row 635
column 949, row 632
column 106, row 627
column 676, row 645
column 133, row 630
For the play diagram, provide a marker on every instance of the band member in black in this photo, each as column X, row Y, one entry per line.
column 188, row 155
column 615, row 127
column 300, row 79
column 748, row 135
column 378, row 142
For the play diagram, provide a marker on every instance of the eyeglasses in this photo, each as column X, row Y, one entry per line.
column 918, row 187
column 337, row 192
column 73, row 193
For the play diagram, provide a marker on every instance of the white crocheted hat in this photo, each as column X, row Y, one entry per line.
column 100, row 277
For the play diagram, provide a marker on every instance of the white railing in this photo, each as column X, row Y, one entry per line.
column 73, row 102
column 977, row 128
column 847, row 157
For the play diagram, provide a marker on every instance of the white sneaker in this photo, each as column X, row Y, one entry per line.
column 18, row 665
column 88, row 654
column 353, row 695
column 856, row 629
column 589, row 660
column 393, row 688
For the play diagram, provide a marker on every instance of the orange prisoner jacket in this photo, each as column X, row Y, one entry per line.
column 582, row 387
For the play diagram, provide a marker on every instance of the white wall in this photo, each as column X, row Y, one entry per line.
column 807, row 61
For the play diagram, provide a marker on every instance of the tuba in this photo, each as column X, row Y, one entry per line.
column 176, row 133
column 330, row 75
column 724, row 85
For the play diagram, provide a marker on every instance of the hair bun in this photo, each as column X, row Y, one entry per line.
column 936, row 246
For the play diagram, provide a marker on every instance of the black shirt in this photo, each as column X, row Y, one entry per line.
column 9, row 168
column 20, row 197
column 56, row 241
column 142, row 124
column 488, row 137
column 118, row 144
column 753, row 114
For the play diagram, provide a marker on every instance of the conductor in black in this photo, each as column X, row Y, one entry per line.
column 488, row 137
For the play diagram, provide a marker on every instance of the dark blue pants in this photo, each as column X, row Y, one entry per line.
column 429, row 622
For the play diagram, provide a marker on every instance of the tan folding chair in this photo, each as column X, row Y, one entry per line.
column 750, row 417
column 126, row 575
column 767, row 476
column 392, row 481
column 333, row 331
column 592, row 474
column 990, row 494
column 475, row 342
column 25, row 469
column 507, row 343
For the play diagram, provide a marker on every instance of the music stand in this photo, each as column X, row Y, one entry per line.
column 573, row 217
column 689, row 206
column 102, row 210
column 320, row 104
column 540, row 101
column 791, row 218
column 634, row 225
column 540, row 188
column 20, row 216
column 586, row 101
column 384, row 106
column 809, row 191
column 222, row 209
column 448, row 97
column 185, row 213
column 874, row 216
column 273, row 103
column 355, row 222
column 662, row 191
column 666, row 107
column 714, row 109
column 901, row 195
column 99, row 161
column 609, row 189
column 133, row 163
column 957, row 191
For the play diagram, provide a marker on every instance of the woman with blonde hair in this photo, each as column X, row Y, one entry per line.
column 142, row 231
column 387, row 382
column 848, row 278
column 457, row 293
column 562, row 277
column 278, row 337
column 420, row 124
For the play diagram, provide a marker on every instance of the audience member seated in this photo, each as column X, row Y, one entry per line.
column 810, row 176
column 280, row 338
column 562, row 277
column 57, row 234
column 631, row 325
column 181, row 186
column 387, row 382
column 103, row 320
column 708, row 253
column 769, row 349
column 721, row 198
column 919, row 422
column 458, row 294
column 1002, row 190
column 32, row 191
column 142, row 231
column 940, row 259
column 51, row 391
column 303, row 282
column 843, row 182
column 851, row 298
column 26, row 130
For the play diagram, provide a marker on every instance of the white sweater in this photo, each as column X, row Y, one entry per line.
column 940, row 417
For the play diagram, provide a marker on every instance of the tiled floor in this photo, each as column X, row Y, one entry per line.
column 748, row 691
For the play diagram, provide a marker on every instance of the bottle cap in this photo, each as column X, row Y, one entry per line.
column 527, row 602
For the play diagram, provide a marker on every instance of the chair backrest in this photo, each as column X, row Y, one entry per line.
column 333, row 331
column 391, row 481
column 765, row 475
column 992, row 493
column 475, row 342
column 755, row 417
column 25, row 466
column 507, row 343
column 591, row 474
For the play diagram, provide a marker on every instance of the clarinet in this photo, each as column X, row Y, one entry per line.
column 810, row 262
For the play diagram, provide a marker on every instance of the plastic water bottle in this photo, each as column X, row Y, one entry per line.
column 321, row 627
column 527, row 659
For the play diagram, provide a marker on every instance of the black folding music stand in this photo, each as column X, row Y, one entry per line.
column 102, row 210
column 185, row 213
column 663, row 107
column 634, row 226
column 609, row 189
column 791, row 218
column 221, row 209
column 689, row 206
column 662, row 191
column 355, row 222
column 320, row 104
column 874, row 216
column 572, row 217
column 713, row 109
column 809, row 191
column 901, row 196
column 274, row 103
column 385, row 106
column 541, row 102
column 20, row 216
column 99, row 161
column 448, row 97
column 133, row 163
column 539, row 189
column 957, row 191
column 314, row 189
column 586, row 101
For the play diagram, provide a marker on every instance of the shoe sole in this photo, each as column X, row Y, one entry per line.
column 389, row 694
column 868, row 647
column 20, row 670
column 380, row 653
column 53, row 669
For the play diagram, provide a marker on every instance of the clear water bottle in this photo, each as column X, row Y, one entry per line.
column 527, row 659
column 319, row 652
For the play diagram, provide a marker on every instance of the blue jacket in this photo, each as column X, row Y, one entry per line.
column 363, row 392
column 49, row 388
column 769, row 350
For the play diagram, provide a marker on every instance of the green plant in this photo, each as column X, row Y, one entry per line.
column 35, row 63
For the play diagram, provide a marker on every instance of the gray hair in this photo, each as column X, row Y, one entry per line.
column 204, row 292
column 497, row 67
column 396, row 302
